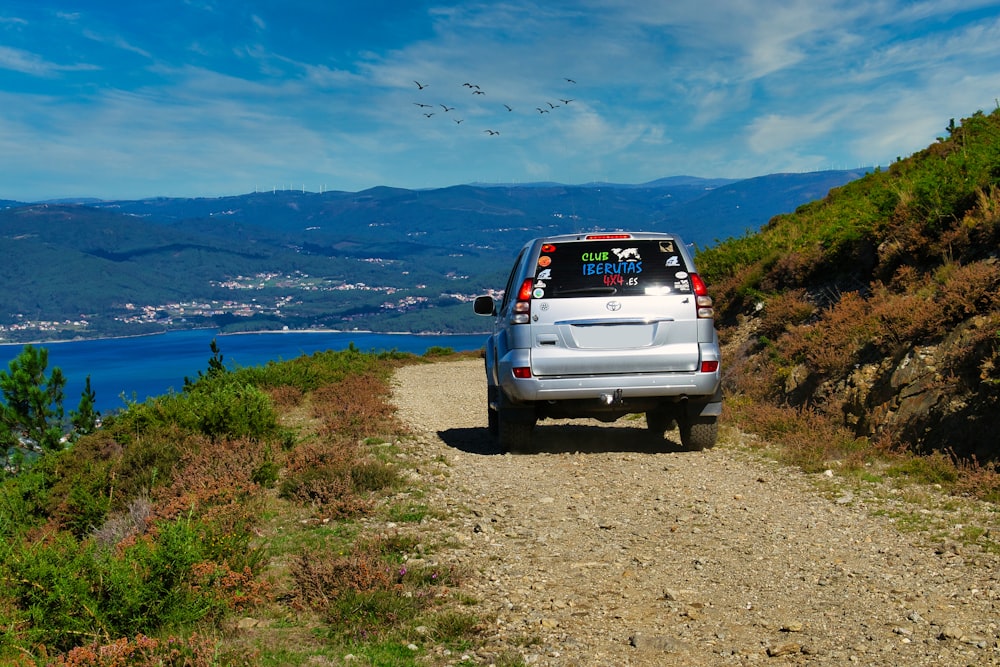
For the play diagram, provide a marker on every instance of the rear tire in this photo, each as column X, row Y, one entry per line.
column 698, row 433
column 514, row 426
column 492, row 421
column 659, row 422
column 515, row 436
column 492, row 418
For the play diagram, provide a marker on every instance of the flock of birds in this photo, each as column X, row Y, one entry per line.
column 430, row 110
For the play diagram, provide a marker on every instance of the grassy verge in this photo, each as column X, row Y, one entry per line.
column 241, row 522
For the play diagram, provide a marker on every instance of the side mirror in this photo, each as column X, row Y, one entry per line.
column 484, row 305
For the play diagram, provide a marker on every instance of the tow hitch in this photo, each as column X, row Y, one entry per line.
column 612, row 399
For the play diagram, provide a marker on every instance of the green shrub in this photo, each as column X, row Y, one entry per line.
column 234, row 410
column 373, row 476
column 65, row 590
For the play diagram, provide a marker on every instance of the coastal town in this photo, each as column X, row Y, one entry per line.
column 278, row 295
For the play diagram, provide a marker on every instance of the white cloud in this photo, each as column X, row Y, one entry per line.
column 26, row 62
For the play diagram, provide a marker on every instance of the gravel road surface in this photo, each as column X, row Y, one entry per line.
column 604, row 549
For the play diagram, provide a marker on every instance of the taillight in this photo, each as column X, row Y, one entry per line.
column 607, row 237
column 701, row 297
column 709, row 366
column 522, row 372
column 522, row 307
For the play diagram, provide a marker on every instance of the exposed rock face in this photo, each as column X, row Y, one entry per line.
column 935, row 397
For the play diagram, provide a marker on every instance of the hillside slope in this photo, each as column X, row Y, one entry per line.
column 878, row 306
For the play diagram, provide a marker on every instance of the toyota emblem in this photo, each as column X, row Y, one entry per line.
column 614, row 306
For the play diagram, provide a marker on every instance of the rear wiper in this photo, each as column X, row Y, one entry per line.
column 590, row 290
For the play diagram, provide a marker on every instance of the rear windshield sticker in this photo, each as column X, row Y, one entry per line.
column 538, row 293
column 653, row 266
column 627, row 254
column 617, row 268
column 602, row 263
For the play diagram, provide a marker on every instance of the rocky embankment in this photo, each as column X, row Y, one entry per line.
column 603, row 550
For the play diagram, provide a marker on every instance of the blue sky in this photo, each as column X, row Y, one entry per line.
column 221, row 97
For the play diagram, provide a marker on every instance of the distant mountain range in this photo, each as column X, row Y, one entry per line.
column 386, row 259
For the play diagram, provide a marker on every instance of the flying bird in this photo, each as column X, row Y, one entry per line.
column 446, row 109
column 508, row 107
column 422, row 105
column 552, row 106
column 570, row 80
column 477, row 91
column 492, row 132
column 565, row 101
column 429, row 114
column 541, row 110
column 421, row 86
column 458, row 120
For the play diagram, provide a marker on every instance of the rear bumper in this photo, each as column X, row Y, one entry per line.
column 692, row 385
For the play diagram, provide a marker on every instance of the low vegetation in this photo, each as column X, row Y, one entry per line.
column 222, row 526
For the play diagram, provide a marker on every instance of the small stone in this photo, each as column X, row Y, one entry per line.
column 677, row 594
column 792, row 626
column 950, row 632
column 648, row 643
column 783, row 649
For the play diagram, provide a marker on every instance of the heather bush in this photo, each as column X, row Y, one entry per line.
column 831, row 345
column 786, row 310
column 355, row 407
column 143, row 651
column 372, row 594
column 321, row 476
column 967, row 290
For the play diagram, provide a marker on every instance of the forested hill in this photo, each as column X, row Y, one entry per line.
column 385, row 259
column 878, row 307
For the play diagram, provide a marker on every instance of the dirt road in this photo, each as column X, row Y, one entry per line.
column 604, row 550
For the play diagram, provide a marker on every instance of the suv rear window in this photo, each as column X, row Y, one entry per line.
column 625, row 267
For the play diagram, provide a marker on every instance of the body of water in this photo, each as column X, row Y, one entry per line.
column 143, row 366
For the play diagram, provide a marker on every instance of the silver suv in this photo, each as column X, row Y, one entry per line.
column 603, row 325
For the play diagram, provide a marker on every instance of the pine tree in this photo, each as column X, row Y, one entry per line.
column 85, row 417
column 216, row 367
column 31, row 414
